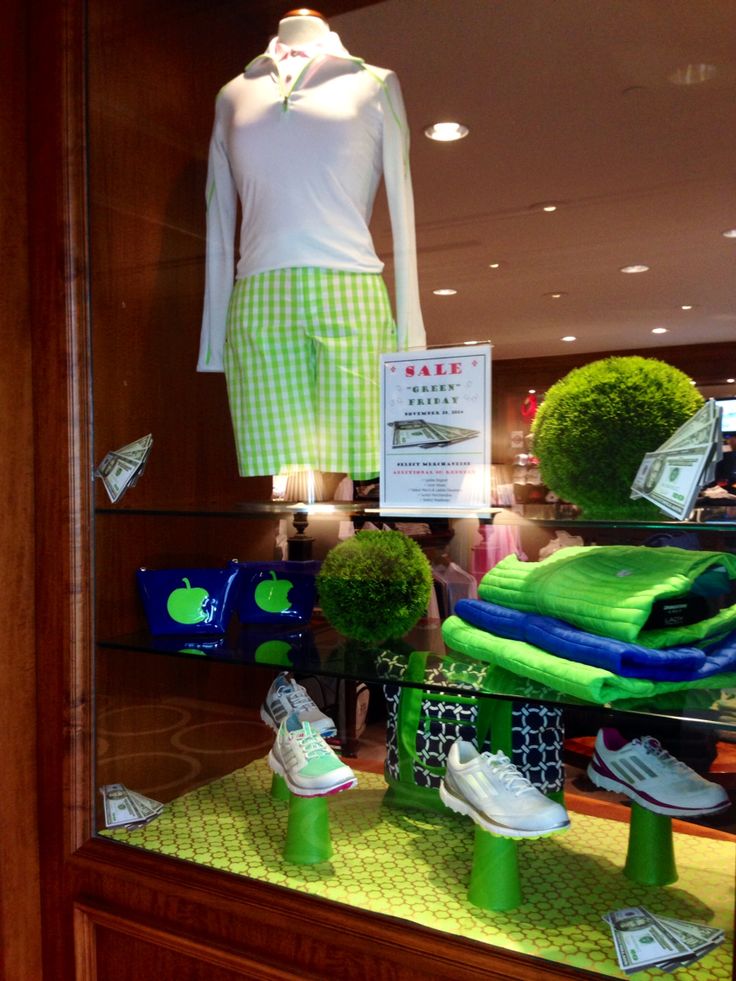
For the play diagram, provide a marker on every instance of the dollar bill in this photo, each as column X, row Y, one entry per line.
column 669, row 966
column 641, row 941
column 147, row 805
column 693, row 934
column 636, row 932
column 702, row 427
column 126, row 808
column 118, row 806
column 672, row 478
column 121, row 469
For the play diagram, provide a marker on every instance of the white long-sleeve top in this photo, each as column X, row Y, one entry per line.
column 304, row 157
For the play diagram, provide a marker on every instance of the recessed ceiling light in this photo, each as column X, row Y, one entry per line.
column 568, row 337
column 636, row 268
column 557, row 295
column 729, row 233
column 494, row 265
column 446, row 132
column 731, row 380
column 686, row 306
column 444, row 292
column 532, row 391
column 694, row 74
column 659, row 330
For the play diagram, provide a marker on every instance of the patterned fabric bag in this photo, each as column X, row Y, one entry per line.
column 422, row 725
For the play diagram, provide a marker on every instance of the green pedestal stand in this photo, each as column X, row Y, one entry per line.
column 650, row 859
column 494, row 878
column 308, row 831
column 279, row 790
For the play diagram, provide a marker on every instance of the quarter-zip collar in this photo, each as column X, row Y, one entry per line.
column 312, row 55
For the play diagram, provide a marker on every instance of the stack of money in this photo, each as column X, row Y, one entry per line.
column 125, row 808
column 643, row 939
column 672, row 475
column 120, row 469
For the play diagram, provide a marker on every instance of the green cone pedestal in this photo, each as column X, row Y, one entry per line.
column 308, row 831
column 650, row 859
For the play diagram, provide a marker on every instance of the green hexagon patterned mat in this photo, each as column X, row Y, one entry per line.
column 416, row 865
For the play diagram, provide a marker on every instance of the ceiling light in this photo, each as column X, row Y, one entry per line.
column 636, row 268
column 444, row 292
column 494, row 265
column 567, row 338
column 532, row 391
column 548, row 206
column 694, row 74
column 557, row 295
column 731, row 380
column 686, row 306
column 659, row 330
column 446, row 132
column 729, row 233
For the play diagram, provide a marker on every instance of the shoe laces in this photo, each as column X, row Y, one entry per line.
column 514, row 781
column 299, row 699
column 311, row 743
column 653, row 747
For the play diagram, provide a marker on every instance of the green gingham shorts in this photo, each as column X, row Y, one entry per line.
column 302, row 368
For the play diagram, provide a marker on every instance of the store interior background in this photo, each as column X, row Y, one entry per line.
column 566, row 102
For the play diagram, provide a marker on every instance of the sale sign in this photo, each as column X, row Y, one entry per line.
column 436, row 429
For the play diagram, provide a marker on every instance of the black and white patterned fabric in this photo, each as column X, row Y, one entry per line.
column 537, row 731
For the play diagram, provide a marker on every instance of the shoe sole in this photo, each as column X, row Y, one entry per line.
column 460, row 806
column 328, row 733
column 298, row 791
column 648, row 802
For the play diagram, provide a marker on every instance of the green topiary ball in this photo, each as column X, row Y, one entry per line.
column 595, row 425
column 375, row 585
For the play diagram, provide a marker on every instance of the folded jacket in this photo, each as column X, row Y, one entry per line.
column 620, row 657
column 583, row 681
column 628, row 592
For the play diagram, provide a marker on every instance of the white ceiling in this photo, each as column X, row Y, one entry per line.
column 566, row 101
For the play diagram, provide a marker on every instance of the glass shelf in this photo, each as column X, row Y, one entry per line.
column 420, row 661
column 705, row 519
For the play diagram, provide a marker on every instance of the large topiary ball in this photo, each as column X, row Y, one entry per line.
column 595, row 425
column 375, row 585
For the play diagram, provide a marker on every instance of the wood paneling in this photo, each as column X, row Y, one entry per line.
column 20, row 949
column 277, row 927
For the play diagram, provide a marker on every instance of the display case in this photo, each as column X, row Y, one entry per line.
column 208, row 889
column 180, row 721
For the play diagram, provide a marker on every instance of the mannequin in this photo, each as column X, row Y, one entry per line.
column 302, row 139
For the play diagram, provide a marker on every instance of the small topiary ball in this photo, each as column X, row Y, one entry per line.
column 595, row 425
column 375, row 585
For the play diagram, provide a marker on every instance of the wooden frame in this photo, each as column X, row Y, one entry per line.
column 93, row 888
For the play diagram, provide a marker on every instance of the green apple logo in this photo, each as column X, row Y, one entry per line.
column 187, row 605
column 273, row 652
column 270, row 595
